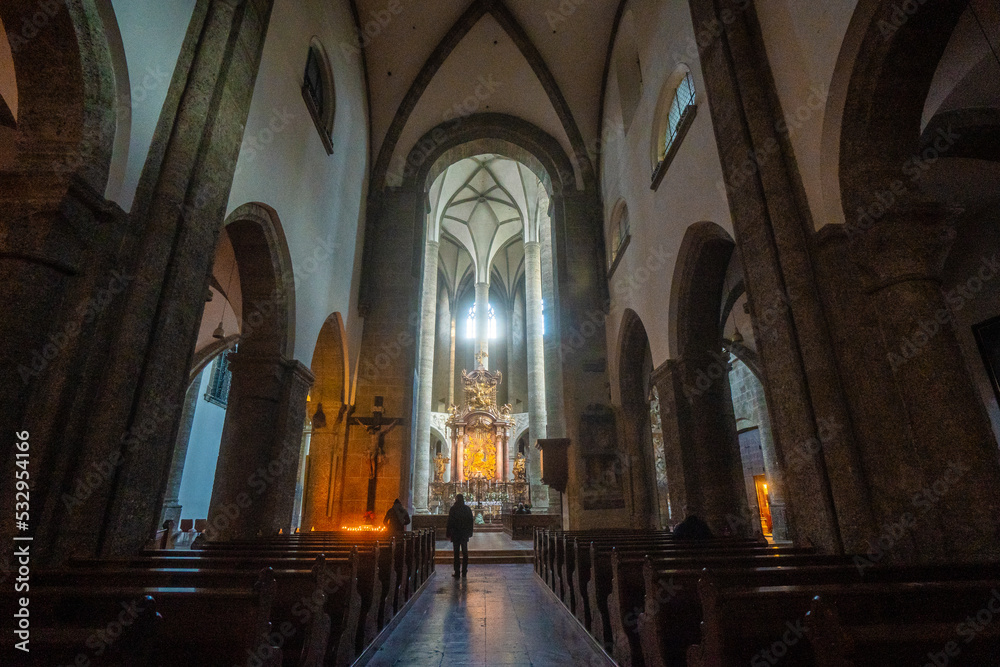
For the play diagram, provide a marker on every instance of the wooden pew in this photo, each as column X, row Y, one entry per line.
column 198, row 626
column 550, row 553
column 565, row 575
column 399, row 589
column 133, row 644
column 856, row 630
column 596, row 571
column 343, row 617
column 897, row 621
column 334, row 597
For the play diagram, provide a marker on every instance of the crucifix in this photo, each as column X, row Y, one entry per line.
column 378, row 427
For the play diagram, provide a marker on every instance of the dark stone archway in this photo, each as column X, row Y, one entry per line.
column 634, row 368
column 330, row 468
column 392, row 265
column 260, row 452
column 700, row 438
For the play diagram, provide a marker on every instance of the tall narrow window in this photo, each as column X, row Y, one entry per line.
column 317, row 90
column 683, row 98
column 660, row 458
column 618, row 234
column 470, row 324
column 675, row 113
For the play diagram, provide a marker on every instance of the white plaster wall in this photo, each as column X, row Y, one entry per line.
column 318, row 197
column 152, row 32
column 202, row 454
column 691, row 190
column 803, row 41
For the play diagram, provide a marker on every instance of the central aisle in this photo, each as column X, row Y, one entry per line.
column 499, row 615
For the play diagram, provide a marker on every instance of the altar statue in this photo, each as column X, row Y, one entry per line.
column 519, row 472
column 440, row 465
column 480, row 397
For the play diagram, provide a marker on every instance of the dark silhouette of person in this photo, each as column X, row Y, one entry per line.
column 396, row 519
column 459, row 531
column 693, row 528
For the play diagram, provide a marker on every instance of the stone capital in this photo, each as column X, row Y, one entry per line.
column 908, row 243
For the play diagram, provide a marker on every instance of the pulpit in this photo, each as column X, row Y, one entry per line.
column 555, row 462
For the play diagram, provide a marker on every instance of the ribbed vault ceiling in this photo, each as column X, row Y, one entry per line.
column 484, row 207
column 569, row 38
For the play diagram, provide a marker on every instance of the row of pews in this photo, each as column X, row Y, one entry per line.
column 653, row 600
column 303, row 600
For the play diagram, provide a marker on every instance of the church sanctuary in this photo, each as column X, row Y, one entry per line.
column 687, row 311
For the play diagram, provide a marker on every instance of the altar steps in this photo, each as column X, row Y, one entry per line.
column 491, row 557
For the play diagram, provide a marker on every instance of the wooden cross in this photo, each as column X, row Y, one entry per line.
column 378, row 427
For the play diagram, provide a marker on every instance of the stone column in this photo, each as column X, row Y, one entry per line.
column 178, row 213
column 261, row 444
column 674, row 417
column 451, row 361
column 701, row 451
column 535, row 340
column 389, row 302
column 555, row 413
column 483, row 320
column 948, row 440
column 171, row 505
column 425, row 390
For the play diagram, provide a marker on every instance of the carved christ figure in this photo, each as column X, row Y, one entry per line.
column 373, row 456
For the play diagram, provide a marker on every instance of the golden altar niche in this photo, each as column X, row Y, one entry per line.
column 479, row 432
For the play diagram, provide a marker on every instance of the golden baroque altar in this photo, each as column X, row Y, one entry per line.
column 479, row 432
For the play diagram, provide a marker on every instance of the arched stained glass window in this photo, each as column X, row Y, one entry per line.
column 317, row 91
column 218, row 382
column 674, row 115
column 470, row 324
column 683, row 98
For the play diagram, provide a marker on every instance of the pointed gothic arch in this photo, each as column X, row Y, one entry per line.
column 635, row 366
column 477, row 10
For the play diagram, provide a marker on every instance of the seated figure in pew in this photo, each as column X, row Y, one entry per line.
column 693, row 527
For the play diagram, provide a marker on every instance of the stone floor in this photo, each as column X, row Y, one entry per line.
column 490, row 541
column 499, row 615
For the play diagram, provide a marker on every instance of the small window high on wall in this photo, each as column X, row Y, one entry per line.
column 676, row 112
column 317, row 90
column 218, row 384
column 618, row 235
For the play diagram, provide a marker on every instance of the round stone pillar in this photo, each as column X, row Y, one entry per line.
column 944, row 433
column 535, row 344
column 425, row 389
column 255, row 479
column 483, row 321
